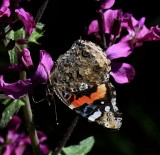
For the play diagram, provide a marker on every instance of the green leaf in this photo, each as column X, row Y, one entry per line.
column 37, row 33
column 82, row 148
column 13, row 55
column 14, row 35
column 50, row 153
column 20, row 34
column 12, row 107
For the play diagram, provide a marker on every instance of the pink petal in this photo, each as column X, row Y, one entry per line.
column 127, row 38
column 141, row 32
column 128, row 21
column 9, row 149
column 17, row 89
column 110, row 16
column 27, row 20
column 4, row 10
column 44, row 148
column 122, row 72
column 93, row 27
column 44, row 68
column 20, row 149
column 141, row 22
column 26, row 58
column 14, row 124
column 136, row 28
column 107, row 4
column 153, row 34
column 119, row 50
column 1, row 139
column 41, row 136
column 42, row 139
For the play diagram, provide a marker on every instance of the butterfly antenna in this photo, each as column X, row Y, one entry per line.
column 50, row 97
column 55, row 111
column 50, row 94
column 37, row 101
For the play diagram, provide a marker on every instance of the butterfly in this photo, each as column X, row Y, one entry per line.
column 80, row 79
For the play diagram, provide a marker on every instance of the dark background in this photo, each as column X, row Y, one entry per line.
column 65, row 22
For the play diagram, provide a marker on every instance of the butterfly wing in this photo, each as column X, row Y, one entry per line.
column 97, row 104
column 81, row 80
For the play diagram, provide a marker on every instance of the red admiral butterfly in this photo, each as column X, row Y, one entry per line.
column 80, row 78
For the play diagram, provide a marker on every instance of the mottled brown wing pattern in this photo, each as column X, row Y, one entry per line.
column 80, row 79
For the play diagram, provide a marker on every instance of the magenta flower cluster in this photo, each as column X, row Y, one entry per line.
column 10, row 10
column 20, row 88
column 17, row 142
column 14, row 141
column 118, row 45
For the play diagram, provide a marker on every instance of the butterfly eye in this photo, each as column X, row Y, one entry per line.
column 85, row 54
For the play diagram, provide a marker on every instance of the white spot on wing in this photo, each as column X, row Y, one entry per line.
column 113, row 101
column 102, row 102
column 71, row 106
column 95, row 115
column 118, row 122
column 83, row 86
column 107, row 108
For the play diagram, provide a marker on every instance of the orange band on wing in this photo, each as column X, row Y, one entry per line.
column 99, row 94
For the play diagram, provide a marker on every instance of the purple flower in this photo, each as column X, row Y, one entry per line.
column 18, row 143
column 26, row 59
column 27, row 20
column 137, row 31
column 106, row 4
column 110, row 20
column 4, row 10
column 24, row 16
column 114, row 22
column 43, row 71
column 121, row 72
column 21, row 87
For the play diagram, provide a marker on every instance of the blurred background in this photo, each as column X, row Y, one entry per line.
column 65, row 21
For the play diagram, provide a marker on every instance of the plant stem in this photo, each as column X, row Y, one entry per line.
column 41, row 11
column 66, row 135
column 29, row 120
column 101, row 23
column 27, row 107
